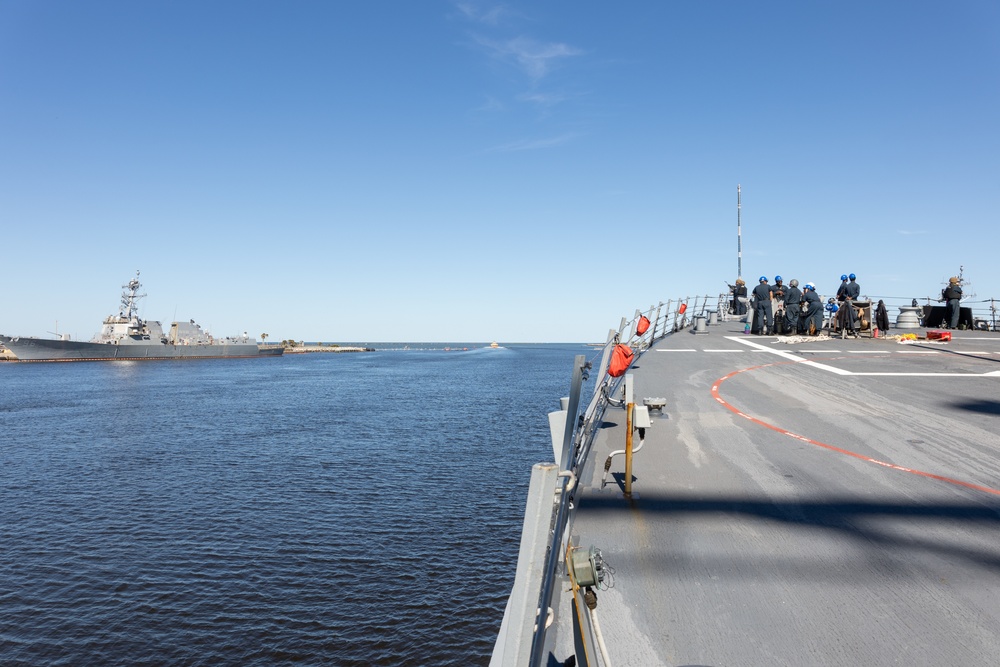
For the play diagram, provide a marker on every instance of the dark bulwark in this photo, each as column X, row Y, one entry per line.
column 937, row 317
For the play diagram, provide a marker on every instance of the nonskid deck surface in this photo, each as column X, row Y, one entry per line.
column 827, row 502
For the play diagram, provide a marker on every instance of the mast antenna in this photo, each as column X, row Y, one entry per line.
column 739, row 234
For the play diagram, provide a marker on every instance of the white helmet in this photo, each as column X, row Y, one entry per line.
column 811, row 286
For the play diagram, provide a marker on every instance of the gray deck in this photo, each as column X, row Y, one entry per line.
column 849, row 515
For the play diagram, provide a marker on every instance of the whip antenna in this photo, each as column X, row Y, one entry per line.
column 739, row 235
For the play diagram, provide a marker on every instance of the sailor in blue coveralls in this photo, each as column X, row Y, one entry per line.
column 813, row 310
column 763, row 320
column 792, row 298
column 778, row 305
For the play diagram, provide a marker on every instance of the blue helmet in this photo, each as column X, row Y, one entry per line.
column 810, row 286
column 843, row 277
column 852, row 276
column 763, row 279
column 777, row 279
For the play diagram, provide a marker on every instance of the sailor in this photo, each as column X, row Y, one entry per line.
column 847, row 293
column 740, row 297
column 813, row 309
column 853, row 290
column 793, row 297
column 778, row 304
column 952, row 294
column 843, row 287
column 762, row 295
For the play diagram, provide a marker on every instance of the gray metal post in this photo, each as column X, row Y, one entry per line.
column 554, row 554
column 603, row 368
column 576, row 387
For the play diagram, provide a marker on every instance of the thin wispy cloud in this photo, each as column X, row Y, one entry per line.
column 491, row 104
column 534, row 144
column 497, row 33
column 534, row 58
column 542, row 99
column 488, row 15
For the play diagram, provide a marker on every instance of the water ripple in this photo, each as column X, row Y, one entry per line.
column 329, row 509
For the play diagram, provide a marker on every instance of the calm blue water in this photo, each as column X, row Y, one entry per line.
column 343, row 509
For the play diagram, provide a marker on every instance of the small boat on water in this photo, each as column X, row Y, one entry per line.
column 126, row 336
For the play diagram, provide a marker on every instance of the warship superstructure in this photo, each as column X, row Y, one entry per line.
column 127, row 336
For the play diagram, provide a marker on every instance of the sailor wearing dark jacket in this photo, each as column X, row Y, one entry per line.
column 792, row 298
column 740, row 297
column 842, row 290
column 813, row 310
column 847, row 293
column 762, row 307
column 778, row 305
column 778, row 290
column 853, row 289
column 952, row 294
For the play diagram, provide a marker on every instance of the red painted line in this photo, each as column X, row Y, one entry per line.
column 833, row 448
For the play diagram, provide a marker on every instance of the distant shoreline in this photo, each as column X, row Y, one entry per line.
column 305, row 349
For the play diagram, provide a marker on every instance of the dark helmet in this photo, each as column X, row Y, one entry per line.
column 843, row 277
column 852, row 276
column 777, row 279
column 763, row 279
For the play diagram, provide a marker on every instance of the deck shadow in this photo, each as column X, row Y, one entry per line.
column 871, row 523
column 982, row 406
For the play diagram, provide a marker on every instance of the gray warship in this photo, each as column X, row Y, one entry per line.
column 765, row 500
column 126, row 336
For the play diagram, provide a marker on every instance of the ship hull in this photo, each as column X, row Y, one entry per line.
column 41, row 349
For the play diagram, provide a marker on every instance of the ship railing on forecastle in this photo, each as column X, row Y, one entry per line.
column 985, row 312
column 548, row 512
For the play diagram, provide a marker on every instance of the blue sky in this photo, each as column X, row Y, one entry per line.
column 466, row 171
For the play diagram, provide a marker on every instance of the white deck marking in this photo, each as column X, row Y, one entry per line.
column 938, row 375
column 840, row 371
column 789, row 355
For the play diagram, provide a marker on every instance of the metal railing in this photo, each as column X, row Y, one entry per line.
column 551, row 493
column 985, row 312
